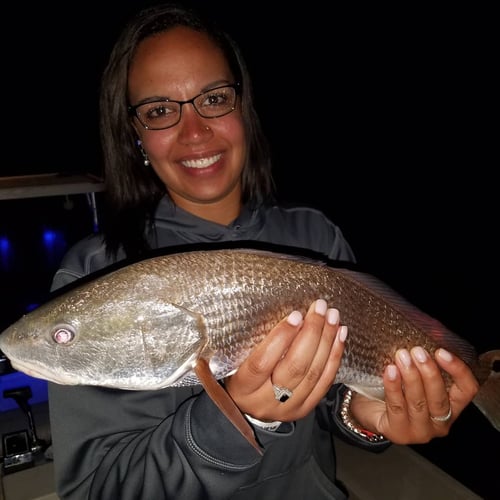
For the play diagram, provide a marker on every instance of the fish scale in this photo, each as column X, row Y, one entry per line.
column 148, row 324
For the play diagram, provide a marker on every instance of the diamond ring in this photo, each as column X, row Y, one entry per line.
column 282, row 394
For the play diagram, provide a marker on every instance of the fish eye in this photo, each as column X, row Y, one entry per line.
column 63, row 334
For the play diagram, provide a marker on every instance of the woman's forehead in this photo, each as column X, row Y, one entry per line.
column 178, row 60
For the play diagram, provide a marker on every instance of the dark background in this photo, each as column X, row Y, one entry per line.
column 384, row 119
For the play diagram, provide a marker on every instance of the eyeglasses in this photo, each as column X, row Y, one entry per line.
column 165, row 113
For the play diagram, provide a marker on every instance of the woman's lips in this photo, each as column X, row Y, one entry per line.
column 202, row 162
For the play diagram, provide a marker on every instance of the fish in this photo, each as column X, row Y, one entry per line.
column 192, row 317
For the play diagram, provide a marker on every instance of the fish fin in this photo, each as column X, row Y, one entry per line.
column 436, row 330
column 224, row 402
column 487, row 400
column 369, row 392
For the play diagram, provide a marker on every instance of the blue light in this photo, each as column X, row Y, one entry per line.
column 55, row 246
column 4, row 244
column 49, row 237
column 5, row 252
column 53, row 239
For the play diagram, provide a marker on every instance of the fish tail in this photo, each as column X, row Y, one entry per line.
column 487, row 400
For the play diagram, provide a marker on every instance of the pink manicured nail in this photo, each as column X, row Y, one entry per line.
column 444, row 355
column 320, row 307
column 419, row 354
column 294, row 318
column 343, row 333
column 404, row 357
column 392, row 372
column 332, row 316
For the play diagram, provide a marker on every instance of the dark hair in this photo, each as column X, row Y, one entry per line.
column 133, row 191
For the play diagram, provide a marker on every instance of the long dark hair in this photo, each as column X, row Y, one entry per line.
column 133, row 191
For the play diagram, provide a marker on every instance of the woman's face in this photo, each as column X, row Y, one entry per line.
column 200, row 160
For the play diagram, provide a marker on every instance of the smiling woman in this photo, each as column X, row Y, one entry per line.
column 203, row 177
column 396, row 112
column 211, row 126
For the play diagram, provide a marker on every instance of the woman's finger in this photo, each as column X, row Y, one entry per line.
column 312, row 345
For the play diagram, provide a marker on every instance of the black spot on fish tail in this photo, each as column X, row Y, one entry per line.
column 487, row 400
column 224, row 402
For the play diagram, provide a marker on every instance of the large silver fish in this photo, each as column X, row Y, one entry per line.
column 162, row 321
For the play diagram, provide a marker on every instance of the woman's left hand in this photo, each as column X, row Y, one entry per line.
column 417, row 407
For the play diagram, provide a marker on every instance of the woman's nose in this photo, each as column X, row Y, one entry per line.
column 192, row 126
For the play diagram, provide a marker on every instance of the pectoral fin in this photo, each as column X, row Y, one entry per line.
column 224, row 402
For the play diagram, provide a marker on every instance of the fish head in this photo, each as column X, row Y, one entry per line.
column 97, row 337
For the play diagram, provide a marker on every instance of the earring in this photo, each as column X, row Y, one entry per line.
column 143, row 153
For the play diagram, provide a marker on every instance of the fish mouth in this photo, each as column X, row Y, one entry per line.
column 32, row 371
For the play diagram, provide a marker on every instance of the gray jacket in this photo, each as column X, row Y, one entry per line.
column 174, row 443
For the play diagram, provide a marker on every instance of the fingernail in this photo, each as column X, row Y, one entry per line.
column 444, row 354
column 320, row 307
column 419, row 354
column 392, row 372
column 343, row 333
column 294, row 318
column 404, row 357
column 332, row 316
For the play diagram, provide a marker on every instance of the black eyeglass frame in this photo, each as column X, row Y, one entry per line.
column 132, row 110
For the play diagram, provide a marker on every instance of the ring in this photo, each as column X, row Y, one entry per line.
column 445, row 418
column 282, row 394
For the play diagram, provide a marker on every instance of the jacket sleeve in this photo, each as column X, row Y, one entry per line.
column 136, row 445
column 328, row 415
column 84, row 257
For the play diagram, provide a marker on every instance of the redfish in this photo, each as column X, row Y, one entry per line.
column 193, row 317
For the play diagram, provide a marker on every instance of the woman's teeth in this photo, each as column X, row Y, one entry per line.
column 202, row 162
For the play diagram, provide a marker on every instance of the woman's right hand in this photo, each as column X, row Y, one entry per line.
column 299, row 354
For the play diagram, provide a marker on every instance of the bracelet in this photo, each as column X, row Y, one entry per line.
column 347, row 420
column 268, row 426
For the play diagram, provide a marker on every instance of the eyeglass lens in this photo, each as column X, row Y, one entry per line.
column 164, row 114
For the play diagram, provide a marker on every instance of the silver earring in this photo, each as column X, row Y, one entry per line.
column 143, row 153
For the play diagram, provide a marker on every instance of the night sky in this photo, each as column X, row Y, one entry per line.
column 383, row 119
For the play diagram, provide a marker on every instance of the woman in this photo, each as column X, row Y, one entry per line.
column 186, row 163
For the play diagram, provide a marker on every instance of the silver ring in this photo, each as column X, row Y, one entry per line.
column 444, row 418
column 282, row 394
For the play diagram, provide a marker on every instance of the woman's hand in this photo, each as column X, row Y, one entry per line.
column 299, row 354
column 415, row 392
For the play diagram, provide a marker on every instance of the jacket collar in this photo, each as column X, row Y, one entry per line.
column 246, row 225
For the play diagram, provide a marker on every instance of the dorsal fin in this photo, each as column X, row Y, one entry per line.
column 436, row 330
